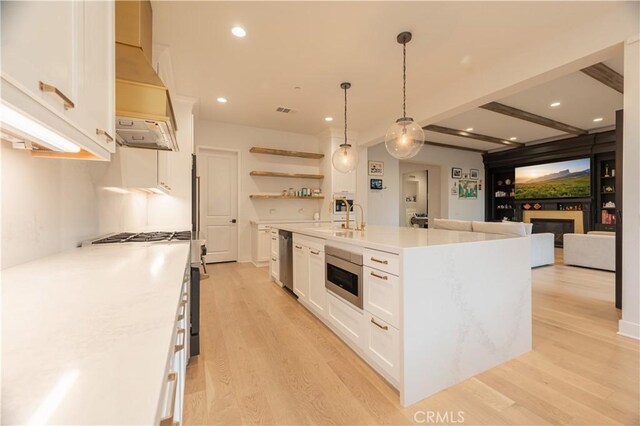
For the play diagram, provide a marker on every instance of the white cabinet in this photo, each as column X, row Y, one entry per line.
column 317, row 290
column 382, row 295
column 164, row 169
column 41, row 42
column 274, row 263
column 97, row 87
column 139, row 168
column 382, row 345
column 260, row 244
column 58, row 68
column 345, row 318
column 301, row 271
column 309, row 273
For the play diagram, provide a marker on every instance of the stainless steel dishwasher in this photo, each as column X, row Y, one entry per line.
column 286, row 258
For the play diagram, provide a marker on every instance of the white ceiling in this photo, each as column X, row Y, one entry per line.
column 581, row 100
column 317, row 45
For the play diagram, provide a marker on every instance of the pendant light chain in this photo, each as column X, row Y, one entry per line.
column 345, row 115
column 404, row 80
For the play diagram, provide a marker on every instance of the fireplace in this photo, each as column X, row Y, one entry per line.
column 558, row 227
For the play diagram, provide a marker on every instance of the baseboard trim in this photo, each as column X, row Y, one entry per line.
column 629, row 329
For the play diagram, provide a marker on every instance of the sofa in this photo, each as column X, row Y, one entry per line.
column 595, row 249
column 542, row 245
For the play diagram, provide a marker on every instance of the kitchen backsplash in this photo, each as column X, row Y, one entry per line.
column 50, row 205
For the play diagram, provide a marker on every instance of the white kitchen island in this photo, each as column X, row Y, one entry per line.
column 439, row 306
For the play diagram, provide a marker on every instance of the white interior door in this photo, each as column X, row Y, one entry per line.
column 219, row 204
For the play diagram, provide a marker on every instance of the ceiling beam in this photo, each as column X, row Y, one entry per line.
column 469, row 135
column 606, row 76
column 461, row 148
column 532, row 118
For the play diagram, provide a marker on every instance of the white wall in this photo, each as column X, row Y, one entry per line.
column 383, row 206
column 242, row 138
column 630, row 322
column 50, row 205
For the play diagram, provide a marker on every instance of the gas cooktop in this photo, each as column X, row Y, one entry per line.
column 144, row 237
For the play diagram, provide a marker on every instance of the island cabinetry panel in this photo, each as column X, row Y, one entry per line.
column 382, row 345
column 383, row 261
column 317, row 290
column 274, row 261
column 301, row 271
column 347, row 320
column 309, row 273
column 382, row 295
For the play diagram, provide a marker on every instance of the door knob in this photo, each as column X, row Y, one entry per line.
column 232, row 221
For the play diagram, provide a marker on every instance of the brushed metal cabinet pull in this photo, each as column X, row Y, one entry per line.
column 167, row 421
column 68, row 104
column 298, row 247
column 273, row 258
column 382, row 277
column 107, row 136
column 180, row 347
column 384, row 262
column 274, row 238
column 384, row 327
column 314, row 252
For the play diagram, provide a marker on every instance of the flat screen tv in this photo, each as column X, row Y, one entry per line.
column 563, row 179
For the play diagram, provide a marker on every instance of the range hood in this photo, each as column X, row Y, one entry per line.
column 144, row 115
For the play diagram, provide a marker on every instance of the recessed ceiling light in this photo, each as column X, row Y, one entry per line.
column 222, row 100
column 469, row 129
column 238, row 32
column 596, row 120
column 328, row 119
column 554, row 104
column 513, row 138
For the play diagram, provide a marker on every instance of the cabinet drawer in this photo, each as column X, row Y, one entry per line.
column 382, row 295
column 275, row 248
column 382, row 345
column 311, row 242
column 382, row 261
column 348, row 320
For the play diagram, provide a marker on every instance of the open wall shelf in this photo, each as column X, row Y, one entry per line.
column 280, row 196
column 285, row 175
column 285, row 153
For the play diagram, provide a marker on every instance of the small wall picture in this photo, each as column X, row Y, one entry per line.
column 468, row 189
column 376, row 183
column 474, row 174
column 456, row 173
column 376, row 168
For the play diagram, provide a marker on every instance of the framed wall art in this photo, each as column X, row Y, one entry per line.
column 376, row 168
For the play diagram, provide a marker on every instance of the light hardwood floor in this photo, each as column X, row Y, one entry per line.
column 265, row 359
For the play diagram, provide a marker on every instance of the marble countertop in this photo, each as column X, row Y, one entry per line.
column 392, row 239
column 86, row 334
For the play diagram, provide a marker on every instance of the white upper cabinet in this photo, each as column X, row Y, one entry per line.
column 58, row 69
column 41, row 42
column 97, row 94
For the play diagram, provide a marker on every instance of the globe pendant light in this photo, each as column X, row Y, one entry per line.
column 345, row 158
column 404, row 138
